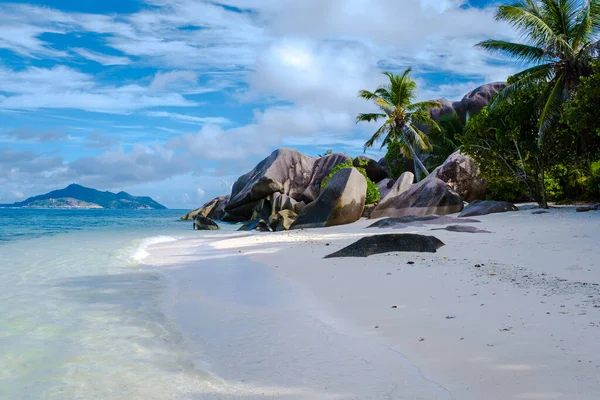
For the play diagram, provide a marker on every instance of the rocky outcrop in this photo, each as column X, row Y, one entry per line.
column 285, row 171
column 322, row 167
column 282, row 220
column 255, row 225
column 213, row 209
column 487, row 207
column 428, row 197
column 392, row 242
column 203, row 223
column 341, row 202
column 465, row 175
column 476, row 99
column 385, row 186
column 402, row 184
column 594, row 207
column 375, row 172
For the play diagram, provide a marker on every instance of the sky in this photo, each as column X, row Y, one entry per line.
column 175, row 99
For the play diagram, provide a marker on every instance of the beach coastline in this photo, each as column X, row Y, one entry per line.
column 511, row 314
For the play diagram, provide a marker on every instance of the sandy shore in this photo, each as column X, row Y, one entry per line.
column 271, row 318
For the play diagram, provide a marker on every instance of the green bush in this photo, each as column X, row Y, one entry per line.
column 394, row 158
column 373, row 194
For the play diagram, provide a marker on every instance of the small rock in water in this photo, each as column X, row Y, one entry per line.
column 389, row 273
column 394, row 306
column 376, row 326
column 477, row 265
column 410, row 263
column 422, row 339
column 450, row 317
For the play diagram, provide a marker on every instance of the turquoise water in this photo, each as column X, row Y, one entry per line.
column 80, row 315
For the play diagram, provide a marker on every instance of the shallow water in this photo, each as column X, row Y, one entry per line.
column 80, row 316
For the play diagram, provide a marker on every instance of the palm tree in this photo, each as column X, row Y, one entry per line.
column 562, row 37
column 395, row 100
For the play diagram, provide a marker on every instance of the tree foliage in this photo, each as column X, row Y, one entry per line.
column 395, row 101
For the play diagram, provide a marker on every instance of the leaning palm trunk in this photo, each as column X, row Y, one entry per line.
column 416, row 159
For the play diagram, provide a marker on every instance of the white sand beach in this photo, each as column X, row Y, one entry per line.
column 511, row 314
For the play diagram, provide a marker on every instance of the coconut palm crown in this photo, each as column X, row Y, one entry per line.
column 402, row 116
column 561, row 38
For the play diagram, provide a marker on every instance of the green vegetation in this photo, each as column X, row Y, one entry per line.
column 373, row 194
column 561, row 42
column 396, row 103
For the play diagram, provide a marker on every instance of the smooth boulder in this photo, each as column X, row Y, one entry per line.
column 282, row 220
column 387, row 243
column 402, row 184
column 322, row 167
column 202, row 223
column 428, row 197
column 476, row 99
column 461, row 229
column 341, row 202
column 485, row 207
column 213, row 209
column 465, row 175
column 385, row 186
column 412, row 220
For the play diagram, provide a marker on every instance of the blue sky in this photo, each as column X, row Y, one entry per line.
column 177, row 98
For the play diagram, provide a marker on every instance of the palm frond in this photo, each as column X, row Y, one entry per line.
column 520, row 52
column 523, row 80
column 526, row 17
column 365, row 94
column 552, row 106
column 376, row 136
column 369, row 117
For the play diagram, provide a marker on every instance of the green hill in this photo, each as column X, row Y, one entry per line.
column 88, row 198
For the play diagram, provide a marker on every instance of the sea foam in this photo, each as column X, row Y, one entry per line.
column 140, row 253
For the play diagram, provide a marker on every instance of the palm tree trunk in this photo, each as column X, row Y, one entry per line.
column 418, row 162
column 543, row 200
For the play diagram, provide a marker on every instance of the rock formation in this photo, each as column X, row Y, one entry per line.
column 341, row 202
column 428, row 197
column 213, row 209
column 465, row 174
column 203, row 223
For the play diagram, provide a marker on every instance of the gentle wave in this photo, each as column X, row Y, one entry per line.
column 140, row 253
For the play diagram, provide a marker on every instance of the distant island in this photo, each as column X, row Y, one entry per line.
column 80, row 197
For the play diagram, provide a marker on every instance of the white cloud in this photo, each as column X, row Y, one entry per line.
column 163, row 80
column 189, row 119
column 63, row 87
column 102, row 58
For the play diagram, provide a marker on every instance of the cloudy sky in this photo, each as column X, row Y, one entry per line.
column 176, row 98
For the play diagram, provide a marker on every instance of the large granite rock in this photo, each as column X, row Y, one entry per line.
column 465, row 174
column 385, row 186
column 487, row 207
column 428, row 197
column 388, row 243
column 476, row 99
column 213, row 209
column 341, row 202
column 321, row 169
column 285, row 171
column 402, row 184
column 375, row 172
column 203, row 223
column 282, row 220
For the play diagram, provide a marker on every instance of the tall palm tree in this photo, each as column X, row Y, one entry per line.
column 395, row 100
column 561, row 38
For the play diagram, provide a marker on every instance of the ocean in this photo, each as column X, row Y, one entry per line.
column 80, row 313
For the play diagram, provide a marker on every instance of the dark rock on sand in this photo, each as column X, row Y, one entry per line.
column 487, row 207
column 428, row 197
column 595, row 207
column 411, row 220
column 341, row 202
column 540, row 212
column 461, row 228
column 202, row 223
column 393, row 242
